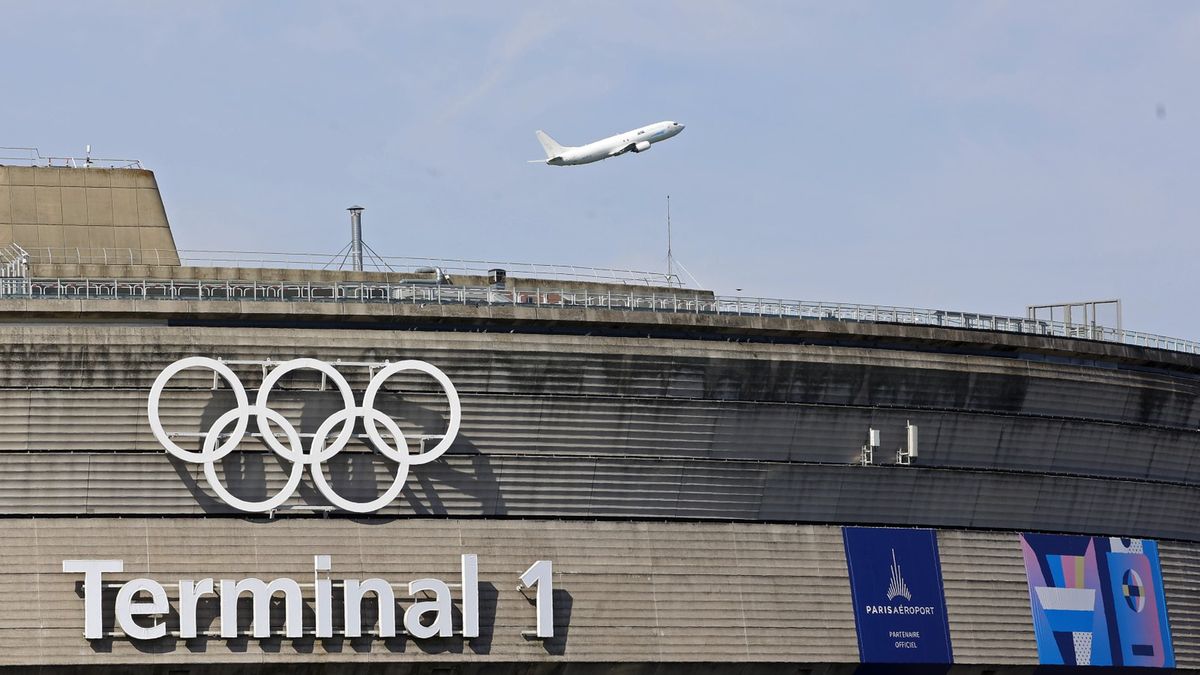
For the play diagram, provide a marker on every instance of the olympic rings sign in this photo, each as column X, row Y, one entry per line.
column 321, row 448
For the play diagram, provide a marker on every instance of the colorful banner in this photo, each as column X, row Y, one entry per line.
column 899, row 604
column 1097, row 601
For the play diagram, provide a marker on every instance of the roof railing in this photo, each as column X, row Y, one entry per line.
column 319, row 261
column 14, row 270
column 675, row 301
column 33, row 157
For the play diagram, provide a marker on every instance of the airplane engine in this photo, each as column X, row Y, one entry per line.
column 641, row 146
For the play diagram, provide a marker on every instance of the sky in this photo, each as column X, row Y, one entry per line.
column 974, row 156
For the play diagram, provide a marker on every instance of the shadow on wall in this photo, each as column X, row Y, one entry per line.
column 563, row 602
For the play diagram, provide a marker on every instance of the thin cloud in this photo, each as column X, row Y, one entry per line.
column 533, row 28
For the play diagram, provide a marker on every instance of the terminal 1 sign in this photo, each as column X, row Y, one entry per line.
column 141, row 604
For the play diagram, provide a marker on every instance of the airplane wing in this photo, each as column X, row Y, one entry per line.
column 536, row 161
column 621, row 150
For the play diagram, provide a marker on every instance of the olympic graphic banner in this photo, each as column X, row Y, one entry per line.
column 899, row 602
column 1097, row 601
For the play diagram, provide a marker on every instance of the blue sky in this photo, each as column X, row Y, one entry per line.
column 976, row 156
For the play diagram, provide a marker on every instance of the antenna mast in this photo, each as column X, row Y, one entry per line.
column 670, row 256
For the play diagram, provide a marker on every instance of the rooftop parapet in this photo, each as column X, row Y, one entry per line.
column 318, row 294
column 60, row 207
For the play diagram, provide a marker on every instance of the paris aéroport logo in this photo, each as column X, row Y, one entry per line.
column 218, row 442
column 896, row 587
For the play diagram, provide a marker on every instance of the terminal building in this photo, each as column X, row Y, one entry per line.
column 223, row 466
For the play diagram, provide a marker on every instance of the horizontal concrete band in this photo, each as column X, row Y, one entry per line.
column 106, row 356
column 80, row 484
column 552, row 319
column 607, row 426
column 625, row 592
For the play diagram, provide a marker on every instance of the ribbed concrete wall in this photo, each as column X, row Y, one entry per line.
column 527, row 486
column 649, row 427
column 1181, row 579
column 620, row 427
column 103, row 356
column 626, row 592
column 632, row 439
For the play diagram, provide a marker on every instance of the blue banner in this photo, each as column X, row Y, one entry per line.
column 899, row 603
column 1097, row 601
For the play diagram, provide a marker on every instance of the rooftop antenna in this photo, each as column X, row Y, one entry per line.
column 672, row 263
column 670, row 256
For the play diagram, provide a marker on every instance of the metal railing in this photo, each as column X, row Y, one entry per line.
column 394, row 264
column 34, row 157
column 103, row 256
column 634, row 300
column 410, row 264
column 14, row 270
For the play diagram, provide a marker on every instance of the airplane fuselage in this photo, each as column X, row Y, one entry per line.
column 636, row 140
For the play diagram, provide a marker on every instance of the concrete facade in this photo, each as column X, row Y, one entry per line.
column 688, row 490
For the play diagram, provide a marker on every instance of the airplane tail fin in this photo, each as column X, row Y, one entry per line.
column 551, row 146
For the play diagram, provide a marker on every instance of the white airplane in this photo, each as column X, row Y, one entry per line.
column 638, row 140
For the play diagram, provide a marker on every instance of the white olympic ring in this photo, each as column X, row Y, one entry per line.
column 295, row 452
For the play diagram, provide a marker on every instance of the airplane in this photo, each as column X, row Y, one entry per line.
column 638, row 140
